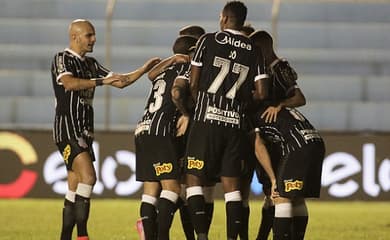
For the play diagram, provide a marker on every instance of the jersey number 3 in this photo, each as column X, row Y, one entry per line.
column 158, row 91
column 224, row 65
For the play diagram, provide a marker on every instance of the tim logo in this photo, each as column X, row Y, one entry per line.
column 165, row 168
column 293, row 185
column 194, row 163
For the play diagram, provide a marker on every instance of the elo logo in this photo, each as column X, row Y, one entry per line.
column 27, row 155
column 54, row 173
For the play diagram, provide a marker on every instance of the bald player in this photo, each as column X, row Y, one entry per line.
column 74, row 78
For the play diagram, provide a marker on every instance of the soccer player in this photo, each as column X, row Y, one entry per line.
column 299, row 170
column 247, row 29
column 192, row 30
column 181, row 88
column 248, row 162
column 283, row 92
column 74, row 78
column 158, row 130
column 223, row 74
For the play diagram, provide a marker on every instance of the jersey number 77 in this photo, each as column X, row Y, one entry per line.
column 224, row 65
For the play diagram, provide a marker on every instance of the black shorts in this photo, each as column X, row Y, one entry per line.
column 70, row 148
column 299, row 174
column 157, row 158
column 213, row 151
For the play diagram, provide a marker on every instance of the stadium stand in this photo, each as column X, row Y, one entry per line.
column 340, row 49
column 377, row 89
column 319, row 88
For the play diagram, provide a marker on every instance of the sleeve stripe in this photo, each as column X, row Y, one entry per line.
column 109, row 74
column 198, row 64
column 262, row 76
column 274, row 62
column 61, row 75
column 182, row 77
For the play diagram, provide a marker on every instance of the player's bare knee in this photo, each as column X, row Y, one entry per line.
column 280, row 200
column 89, row 179
column 152, row 188
column 230, row 184
column 192, row 180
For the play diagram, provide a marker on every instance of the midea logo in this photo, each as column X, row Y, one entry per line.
column 224, row 38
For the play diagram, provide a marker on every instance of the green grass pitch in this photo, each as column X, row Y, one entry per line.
column 114, row 219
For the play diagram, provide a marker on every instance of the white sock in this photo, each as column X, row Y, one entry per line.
column 283, row 210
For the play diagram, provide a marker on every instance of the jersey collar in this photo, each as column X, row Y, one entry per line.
column 233, row 31
column 74, row 53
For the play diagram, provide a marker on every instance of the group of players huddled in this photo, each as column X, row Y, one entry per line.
column 222, row 107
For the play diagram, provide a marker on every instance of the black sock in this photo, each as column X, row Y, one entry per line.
column 233, row 218
column 186, row 223
column 244, row 223
column 299, row 227
column 179, row 203
column 267, row 220
column 166, row 210
column 209, row 207
column 196, row 206
column 282, row 228
column 68, row 220
column 149, row 220
column 82, row 206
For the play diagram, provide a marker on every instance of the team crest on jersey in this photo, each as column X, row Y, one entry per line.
column 164, row 168
column 66, row 153
column 290, row 185
column 193, row 163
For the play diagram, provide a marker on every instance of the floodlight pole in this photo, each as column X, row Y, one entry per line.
column 274, row 21
column 108, row 43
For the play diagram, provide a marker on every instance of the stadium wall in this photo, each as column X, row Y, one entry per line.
column 356, row 167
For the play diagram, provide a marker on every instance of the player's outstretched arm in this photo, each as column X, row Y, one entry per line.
column 271, row 113
column 180, row 95
column 162, row 65
column 71, row 83
column 297, row 100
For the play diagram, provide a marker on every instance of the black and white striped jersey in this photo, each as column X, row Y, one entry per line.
column 291, row 130
column 229, row 67
column 74, row 110
column 160, row 114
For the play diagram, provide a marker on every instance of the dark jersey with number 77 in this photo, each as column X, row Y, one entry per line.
column 229, row 69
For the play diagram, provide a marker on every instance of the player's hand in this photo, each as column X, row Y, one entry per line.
column 114, row 78
column 181, row 58
column 274, row 190
column 271, row 114
column 151, row 63
column 181, row 125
